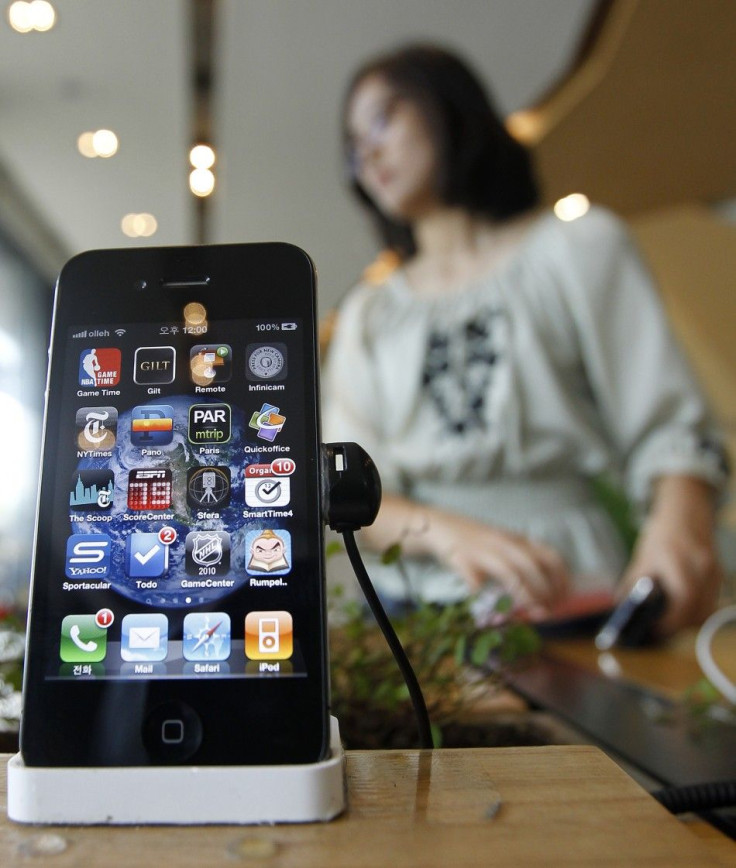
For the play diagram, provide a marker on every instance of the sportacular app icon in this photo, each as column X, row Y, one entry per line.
column 92, row 489
column 209, row 423
column 99, row 367
column 207, row 553
column 210, row 363
column 208, row 487
column 154, row 365
column 88, row 556
column 152, row 425
column 83, row 640
column 146, row 556
column 96, row 428
column 206, row 636
column 267, row 421
column 149, row 488
column 269, row 636
column 144, row 637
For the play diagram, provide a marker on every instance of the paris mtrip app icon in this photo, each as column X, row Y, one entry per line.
column 209, row 423
column 154, row 365
column 269, row 635
column 152, row 425
column 96, row 428
column 99, row 367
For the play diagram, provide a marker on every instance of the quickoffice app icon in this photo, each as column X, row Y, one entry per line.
column 83, row 640
column 96, row 428
column 209, row 423
column 149, row 488
column 92, row 489
column 154, row 365
column 88, row 556
column 269, row 635
column 99, row 367
column 144, row 637
column 206, row 636
column 210, row 363
column 146, row 557
column 152, row 425
column 208, row 487
column 267, row 421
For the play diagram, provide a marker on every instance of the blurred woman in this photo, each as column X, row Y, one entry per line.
column 508, row 360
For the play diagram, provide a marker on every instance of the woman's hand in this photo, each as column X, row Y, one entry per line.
column 532, row 573
column 677, row 547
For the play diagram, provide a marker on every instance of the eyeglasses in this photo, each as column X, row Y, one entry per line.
column 374, row 136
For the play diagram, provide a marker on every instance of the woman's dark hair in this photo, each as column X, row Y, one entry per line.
column 482, row 167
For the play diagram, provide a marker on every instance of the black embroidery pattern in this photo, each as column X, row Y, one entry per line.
column 458, row 368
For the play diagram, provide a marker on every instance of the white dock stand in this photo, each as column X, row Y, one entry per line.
column 180, row 795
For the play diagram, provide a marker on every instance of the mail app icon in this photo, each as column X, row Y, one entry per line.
column 144, row 637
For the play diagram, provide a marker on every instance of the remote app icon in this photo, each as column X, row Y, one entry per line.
column 88, row 556
column 92, row 490
column 209, row 423
column 268, row 422
column 149, row 488
column 99, row 367
column 146, row 556
column 269, row 636
column 82, row 640
column 210, row 363
column 206, row 636
column 96, row 428
column 144, row 637
column 152, row 425
column 154, row 365
column 208, row 487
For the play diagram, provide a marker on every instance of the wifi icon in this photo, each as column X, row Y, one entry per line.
column 119, row 332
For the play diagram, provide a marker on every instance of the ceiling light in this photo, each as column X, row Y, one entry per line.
column 139, row 225
column 85, row 145
column 202, row 157
column 37, row 15
column 201, row 182
column 101, row 143
column 571, row 207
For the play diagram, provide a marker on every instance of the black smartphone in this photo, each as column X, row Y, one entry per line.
column 177, row 609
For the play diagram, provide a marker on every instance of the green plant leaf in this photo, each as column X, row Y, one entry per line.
column 483, row 645
column 391, row 554
column 333, row 547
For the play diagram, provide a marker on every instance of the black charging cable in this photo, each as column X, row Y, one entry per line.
column 351, row 497
column 697, row 797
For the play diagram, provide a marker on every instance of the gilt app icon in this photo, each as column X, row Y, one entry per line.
column 82, row 640
column 96, row 428
column 154, row 365
column 99, row 367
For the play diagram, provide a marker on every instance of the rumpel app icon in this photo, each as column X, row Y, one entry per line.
column 99, row 367
column 269, row 635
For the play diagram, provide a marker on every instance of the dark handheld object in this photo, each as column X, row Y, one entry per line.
column 632, row 622
column 351, row 497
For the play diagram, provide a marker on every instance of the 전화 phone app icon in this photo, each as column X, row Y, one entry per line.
column 83, row 640
column 269, row 635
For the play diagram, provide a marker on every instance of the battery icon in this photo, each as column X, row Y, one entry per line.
column 288, row 326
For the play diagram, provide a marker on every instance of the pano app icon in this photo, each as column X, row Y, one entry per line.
column 152, row 425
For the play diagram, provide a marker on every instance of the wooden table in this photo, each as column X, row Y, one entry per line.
column 564, row 805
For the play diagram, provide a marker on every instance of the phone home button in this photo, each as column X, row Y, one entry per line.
column 172, row 732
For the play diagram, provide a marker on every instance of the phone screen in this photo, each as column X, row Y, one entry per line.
column 179, row 539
